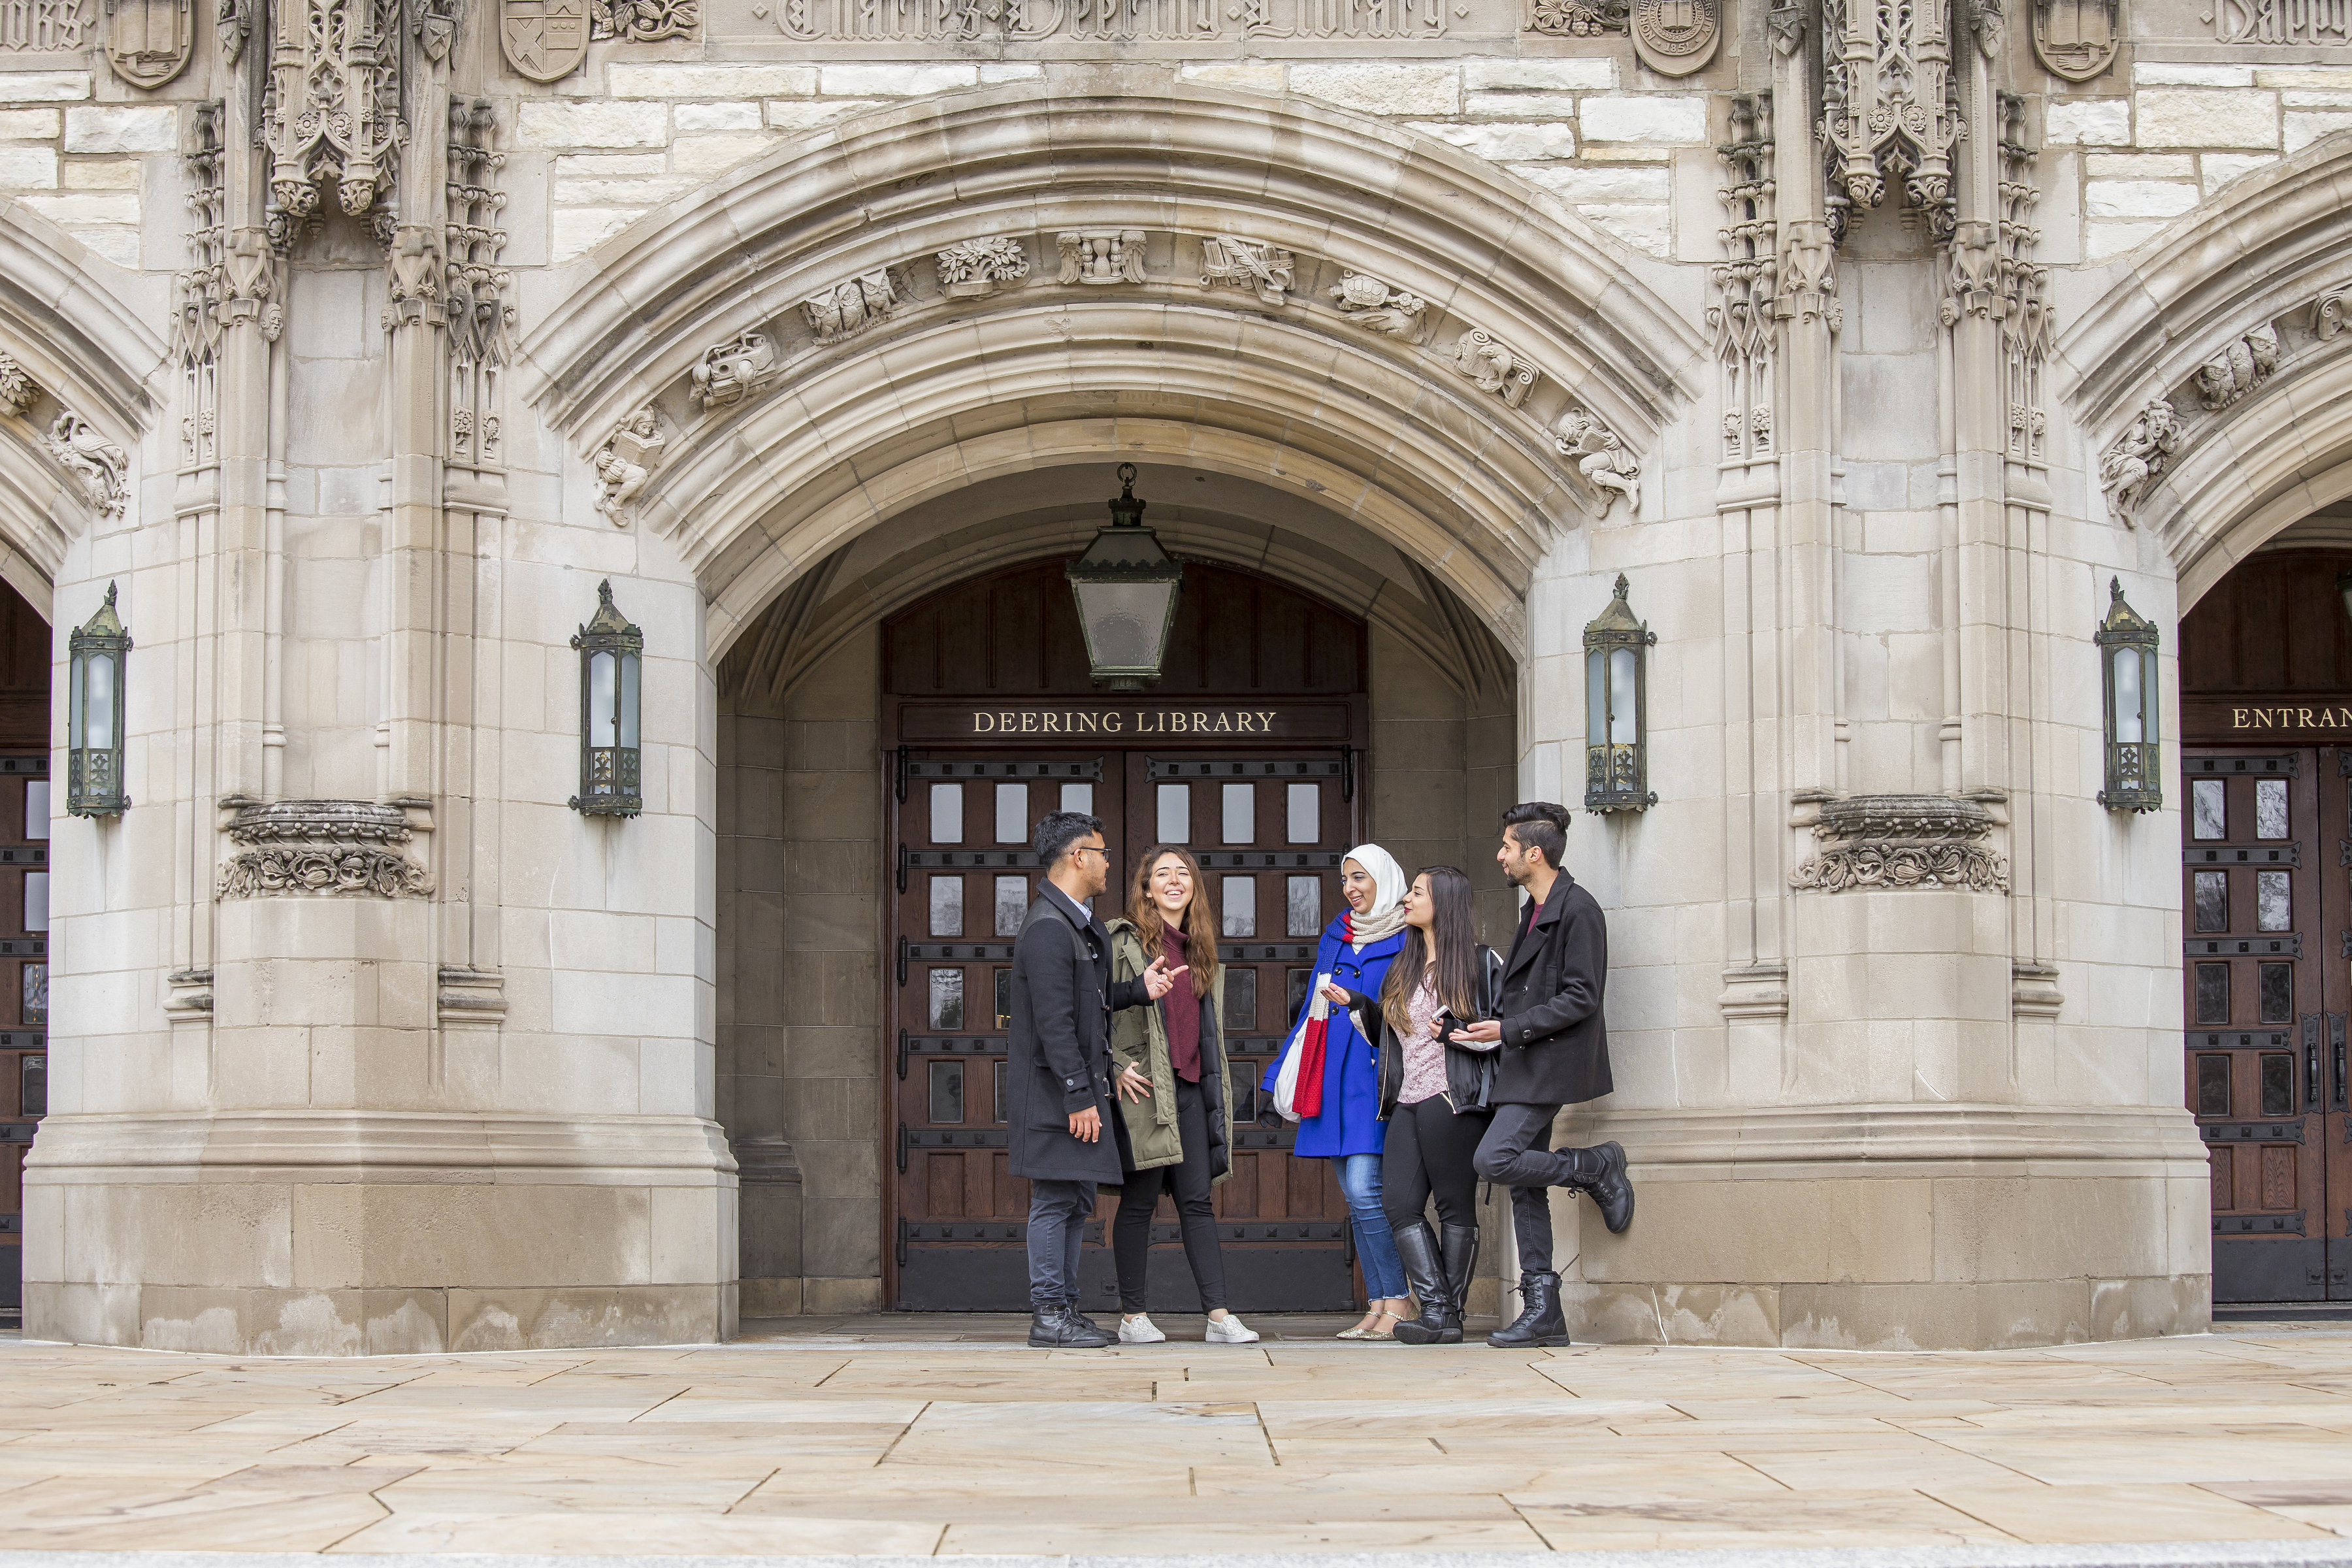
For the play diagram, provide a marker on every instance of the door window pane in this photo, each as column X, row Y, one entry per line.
column 2212, row 892
column 1294, row 994
column 947, row 999
column 2270, row 808
column 1242, row 1096
column 1011, row 904
column 2278, row 1085
column 1241, row 812
column 1079, row 797
column 1175, row 825
column 2278, row 993
column 2213, row 992
column 36, row 808
column 947, row 814
column 1240, row 1000
column 947, row 1092
column 1012, row 814
column 1241, row 906
column 2273, row 902
column 947, row 906
column 36, row 994
column 1004, row 998
column 2209, row 809
column 1304, row 807
column 33, row 1086
column 1303, row 907
column 36, row 901
column 2213, row 1086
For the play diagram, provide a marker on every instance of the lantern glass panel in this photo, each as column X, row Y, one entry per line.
column 627, row 715
column 1623, row 706
column 600, row 699
column 1124, row 621
column 1596, row 698
column 2128, row 722
column 97, row 707
column 2148, row 706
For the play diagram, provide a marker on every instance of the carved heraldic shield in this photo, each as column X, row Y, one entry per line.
column 543, row 40
column 2076, row 39
column 148, row 41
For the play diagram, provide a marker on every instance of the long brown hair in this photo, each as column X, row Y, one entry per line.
column 1199, row 924
column 1453, row 922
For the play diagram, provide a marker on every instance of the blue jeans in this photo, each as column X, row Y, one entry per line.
column 1359, row 1184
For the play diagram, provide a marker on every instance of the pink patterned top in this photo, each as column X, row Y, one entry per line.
column 1424, row 1056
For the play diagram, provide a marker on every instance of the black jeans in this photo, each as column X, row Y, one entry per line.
column 1430, row 1149
column 1516, row 1152
column 1057, row 1228
column 1131, row 1232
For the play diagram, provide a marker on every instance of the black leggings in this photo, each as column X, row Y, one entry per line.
column 1131, row 1236
column 1428, row 1151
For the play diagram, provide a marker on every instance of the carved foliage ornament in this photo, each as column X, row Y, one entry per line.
column 2328, row 313
column 1494, row 365
column 1676, row 38
column 734, row 369
column 1894, row 841
column 1577, row 18
column 17, row 389
column 976, row 269
column 2077, row 40
column 347, row 847
column 1248, row 263
column 1890, row 112
column 644, row 21
column 2135, row 461
column 148, row 41
column 544, row 40
column 627, row 460
column 2243, row 364
column 1367, row 302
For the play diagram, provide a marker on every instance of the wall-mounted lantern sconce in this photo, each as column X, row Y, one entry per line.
column 1616, row 709
column 2127, row 642
column 97, row 652
column 1126, row 586
column 610, row 652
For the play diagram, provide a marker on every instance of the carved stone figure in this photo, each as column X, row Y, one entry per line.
column 1577, row 18
column 148, row 41
column 976, row 269
column 1903, row 841
column 544, row 40
column 1101, row 255
column 102, row 467
column 851, row 306
column 1602, row 460
column 1889, row 108
column 1248, row 263
column 2242, row 366
column 1367, row 302
column 627, row 460
column 347, row 847
column 2076, row 39
column 17, row 389
column 2136, row 459
column 1495, row 365
column 734, row 369
column 1675, row 37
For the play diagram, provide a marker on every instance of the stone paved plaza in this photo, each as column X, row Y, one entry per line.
column 916, row 1436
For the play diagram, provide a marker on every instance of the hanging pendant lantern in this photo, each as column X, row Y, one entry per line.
column 1126, row 588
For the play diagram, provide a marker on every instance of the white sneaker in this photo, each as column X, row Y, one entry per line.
column 1231, row 1331
column 1137, row 1330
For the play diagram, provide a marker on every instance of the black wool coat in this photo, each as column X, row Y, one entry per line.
column 1555, row 1040
column 1057, row 1061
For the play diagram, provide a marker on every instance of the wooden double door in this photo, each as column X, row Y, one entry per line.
column 2266, row 837
column 1269, row 823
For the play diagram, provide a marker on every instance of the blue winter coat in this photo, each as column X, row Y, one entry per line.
column 1350, row 1122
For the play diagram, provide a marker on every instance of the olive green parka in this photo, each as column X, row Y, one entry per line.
column 1139, row 1039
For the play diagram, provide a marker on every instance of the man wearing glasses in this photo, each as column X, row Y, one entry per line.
column 1057, row 1067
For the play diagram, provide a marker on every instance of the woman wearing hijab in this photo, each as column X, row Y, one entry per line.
column 1337, row 1097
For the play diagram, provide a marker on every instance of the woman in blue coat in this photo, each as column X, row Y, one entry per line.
column 1346, row 1124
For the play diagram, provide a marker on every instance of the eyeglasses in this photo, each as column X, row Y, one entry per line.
column 1089, row 849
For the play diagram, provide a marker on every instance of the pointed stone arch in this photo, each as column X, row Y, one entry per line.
column 842, row 433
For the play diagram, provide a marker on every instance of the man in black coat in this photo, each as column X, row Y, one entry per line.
column 1554, row 1052
column 1057, row 1067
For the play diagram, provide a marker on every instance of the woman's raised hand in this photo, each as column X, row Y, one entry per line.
column 1158, row 980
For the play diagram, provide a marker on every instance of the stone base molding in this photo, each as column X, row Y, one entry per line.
column 1896, row 1228
column 362, row 1233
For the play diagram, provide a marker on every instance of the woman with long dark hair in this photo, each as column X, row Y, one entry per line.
column 1171, row 1066
column 1433, row 1093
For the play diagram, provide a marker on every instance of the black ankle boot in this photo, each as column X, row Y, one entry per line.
column 1057, row 1328
column 1439, row 1323
column 1539, row 1320
column 1459, row 1245
column 1599, row 1172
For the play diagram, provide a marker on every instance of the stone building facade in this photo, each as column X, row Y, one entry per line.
column 351, row 344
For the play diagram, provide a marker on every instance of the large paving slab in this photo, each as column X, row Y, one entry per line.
column 923, row 1437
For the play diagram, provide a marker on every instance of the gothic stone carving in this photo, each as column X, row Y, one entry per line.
column 1495, row 365
column 1675, row 37
column 148, row 41
column 1889, row 112
column 849, row 306
column 17, row 390
column 1248, row 263
column 1600, row 459
column 627, row 460
column 2076, row 39
column 333, row 110
column 1889, row 841
column 644, row 21
column 2136, row 459
column 2328, row 311
column 102, row 467
column 544, row 40
column 1745, row 281
column 2242, row 366
column 1367, row 302
column 412, row 276
column 976, row 269
column 481, row 321
column 332, row 846
column 734, row 369
column 1101, row 256
column 1577, row 18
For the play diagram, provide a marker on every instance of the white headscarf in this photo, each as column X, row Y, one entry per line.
column 1386, row 917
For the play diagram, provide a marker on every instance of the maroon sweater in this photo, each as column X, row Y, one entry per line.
column 1180, row 1009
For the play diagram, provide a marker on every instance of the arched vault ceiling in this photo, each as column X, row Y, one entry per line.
column 944, row 393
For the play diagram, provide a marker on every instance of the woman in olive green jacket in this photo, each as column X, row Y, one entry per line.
column 1175, row 1131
